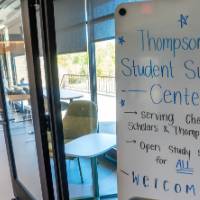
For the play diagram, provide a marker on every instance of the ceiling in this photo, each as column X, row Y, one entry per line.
column 10, row 14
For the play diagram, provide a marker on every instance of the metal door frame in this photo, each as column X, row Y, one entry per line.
column 53, row 94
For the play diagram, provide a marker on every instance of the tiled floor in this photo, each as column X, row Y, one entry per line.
column 26, row 163
column 107, row 178
column 26, row 158
column 6, row 192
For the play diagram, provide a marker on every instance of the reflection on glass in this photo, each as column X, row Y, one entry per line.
column 74, row 59
column 16, row 86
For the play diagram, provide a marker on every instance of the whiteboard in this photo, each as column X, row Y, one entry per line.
column 158, row 99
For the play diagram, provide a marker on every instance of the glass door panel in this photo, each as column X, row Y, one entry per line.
column 14, row 74
column 73, row 68
column 76, row 66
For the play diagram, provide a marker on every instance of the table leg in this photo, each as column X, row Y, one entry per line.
column 95, row 177
column 22, row 106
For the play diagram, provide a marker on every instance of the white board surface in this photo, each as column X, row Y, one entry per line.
column 158, row 100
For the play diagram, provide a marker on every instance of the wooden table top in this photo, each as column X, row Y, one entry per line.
column 18, row 97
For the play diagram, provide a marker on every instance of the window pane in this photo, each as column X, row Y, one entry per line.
column 14, row 68
column 105, row 66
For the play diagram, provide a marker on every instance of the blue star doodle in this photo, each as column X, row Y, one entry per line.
column 122, row 102
column 121, row 40
column 183, row 20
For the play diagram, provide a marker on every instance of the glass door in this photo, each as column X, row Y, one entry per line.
column 22, row 106
column 91, row 173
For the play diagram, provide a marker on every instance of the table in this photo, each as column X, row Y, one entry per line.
column 69, row 95
column 66, row 94
column 18, row 97
column 91, row 146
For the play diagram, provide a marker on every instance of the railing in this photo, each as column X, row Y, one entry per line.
column 105, row 84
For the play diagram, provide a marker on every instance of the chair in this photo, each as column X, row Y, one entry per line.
column 80, row 119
